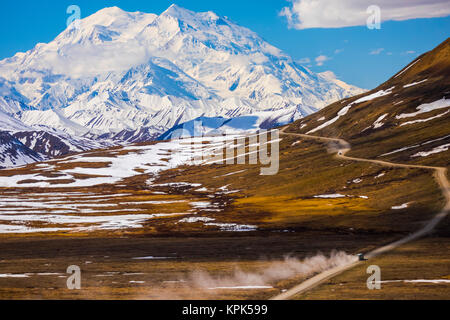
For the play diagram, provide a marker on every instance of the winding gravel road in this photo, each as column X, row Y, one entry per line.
column 439, row 173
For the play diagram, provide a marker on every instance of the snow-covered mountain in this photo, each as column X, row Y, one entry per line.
column 123, row 70
column 51, row 143
column 132, row 76
column 14, row 153
column 207, row 126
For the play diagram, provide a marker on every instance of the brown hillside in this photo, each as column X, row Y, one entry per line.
column 425, row 80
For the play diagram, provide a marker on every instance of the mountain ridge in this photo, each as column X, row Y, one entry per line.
column 148, row 73
column 407, row 116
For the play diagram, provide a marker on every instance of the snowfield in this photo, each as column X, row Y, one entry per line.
column 149, row 159
column 70, row 211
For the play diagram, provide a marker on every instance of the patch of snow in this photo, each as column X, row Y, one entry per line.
column 400, row 150
column 330, row 196
column 233, row 227
column 425, row 120
column 415, row 146
column 196, row 219
column 434, row 281
column 133, row 273
column 373, row 96
column 230, row 174
column 341, row 113
column 177, row 184
column 224, row 190
column 12, row 229
column 439, row 149
column 403, row 206
column 427, row 107
column 200, row 204
column 152, row 202
column 100, row 222
column 345, row 110
column 405, row 69
column 378, row 124
column 9, row 275
column 414, row 83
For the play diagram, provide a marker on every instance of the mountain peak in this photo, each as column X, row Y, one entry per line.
column 174, row 6
column 181, row 13
column 105, row 17
column 111, row 11
column 125, row 70
column 176, row 11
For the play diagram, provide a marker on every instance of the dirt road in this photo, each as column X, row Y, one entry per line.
column 343, row 147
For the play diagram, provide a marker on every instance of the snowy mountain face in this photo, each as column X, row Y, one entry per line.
column 52, row 143
column 14, row 153
column 132, row 76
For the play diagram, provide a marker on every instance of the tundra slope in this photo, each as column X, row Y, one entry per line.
column 405, row 118
column 440, row 174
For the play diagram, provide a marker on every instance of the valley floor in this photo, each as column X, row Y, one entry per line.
column 214, row 231
column 181, row 267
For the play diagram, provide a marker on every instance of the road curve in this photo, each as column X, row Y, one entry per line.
column 440, row 175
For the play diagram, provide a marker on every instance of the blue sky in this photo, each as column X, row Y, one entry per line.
column 357, row 55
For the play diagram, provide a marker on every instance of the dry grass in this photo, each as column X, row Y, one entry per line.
column 424, row 259
column 107, row 265
column 290, row 221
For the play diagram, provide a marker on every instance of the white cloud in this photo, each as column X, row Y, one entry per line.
column 337, row 51
column 304, row 14
column 376, row 51
column 410, row 52
column 320, row 60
